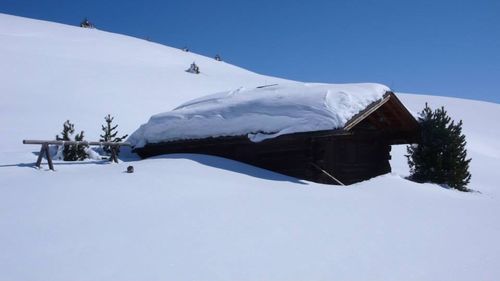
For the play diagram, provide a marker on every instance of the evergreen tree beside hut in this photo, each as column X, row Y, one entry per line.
column 440, row 156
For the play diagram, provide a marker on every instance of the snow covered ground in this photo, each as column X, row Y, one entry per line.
column 194, row 217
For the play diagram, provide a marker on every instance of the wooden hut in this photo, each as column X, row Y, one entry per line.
column 358, row 151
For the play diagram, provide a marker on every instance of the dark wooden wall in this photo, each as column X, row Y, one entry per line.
column 349, row 157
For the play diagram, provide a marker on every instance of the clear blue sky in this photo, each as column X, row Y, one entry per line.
column 449, row 48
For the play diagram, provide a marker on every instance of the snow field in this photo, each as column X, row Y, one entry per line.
column 193, row 217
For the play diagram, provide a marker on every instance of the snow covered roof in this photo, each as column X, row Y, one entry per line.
column 261, row 113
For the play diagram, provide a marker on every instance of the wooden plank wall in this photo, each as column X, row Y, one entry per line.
column 348, row 157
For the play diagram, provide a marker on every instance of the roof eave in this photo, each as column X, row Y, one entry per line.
column 367, row 111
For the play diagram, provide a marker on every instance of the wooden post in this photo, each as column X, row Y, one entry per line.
column 327, row 174
column 40, row 155
column 49, row 158
column 113, row 154
column 44, row 151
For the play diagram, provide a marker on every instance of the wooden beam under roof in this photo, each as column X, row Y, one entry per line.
column 367, row 112
column 395, row 110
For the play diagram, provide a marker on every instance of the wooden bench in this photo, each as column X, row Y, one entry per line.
column 45, row 148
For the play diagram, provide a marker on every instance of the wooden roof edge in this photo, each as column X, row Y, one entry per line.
column 244, row 137
column 367, row 111
column 403, row 107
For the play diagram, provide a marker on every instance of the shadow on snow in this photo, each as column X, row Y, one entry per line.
column 232, row 166
column 127, row 156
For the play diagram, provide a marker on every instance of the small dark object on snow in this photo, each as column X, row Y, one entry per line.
column 130, row 169
column 193, row 69
column 86, row 24
column 217, row 58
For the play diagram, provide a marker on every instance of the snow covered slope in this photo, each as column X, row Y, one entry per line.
column 192, row 217
column 57, row 72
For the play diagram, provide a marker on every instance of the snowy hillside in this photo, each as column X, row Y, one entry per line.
column 61, row 72
column 194, row 217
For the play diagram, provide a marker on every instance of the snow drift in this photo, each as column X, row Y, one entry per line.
column 261, row 113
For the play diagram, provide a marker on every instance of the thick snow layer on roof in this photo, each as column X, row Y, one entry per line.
column 261, row 113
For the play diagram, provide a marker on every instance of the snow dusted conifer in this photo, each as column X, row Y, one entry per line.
column 193, row 69
column 79, row 150
column 440, row 157
column 67, row 132
column 110, row 134
column 71, row 152
column 86, row 24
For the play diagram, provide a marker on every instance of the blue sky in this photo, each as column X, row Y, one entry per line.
column 449, row 48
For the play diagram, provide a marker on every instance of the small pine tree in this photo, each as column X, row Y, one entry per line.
column 67, row 132
column 109, row 134
column 79, row 150
column 193, row 69
column 440, row 157
column 72, row 152
column 86, row 23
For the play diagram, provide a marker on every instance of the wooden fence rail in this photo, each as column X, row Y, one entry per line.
column 56, row 142
column 45, row 148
